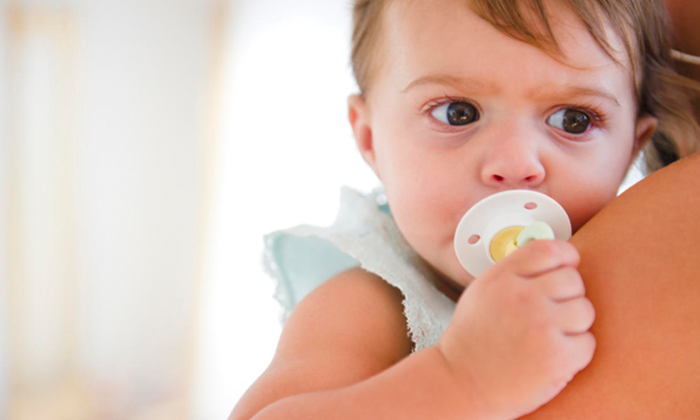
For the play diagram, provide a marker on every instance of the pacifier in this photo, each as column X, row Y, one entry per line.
column 501, row 223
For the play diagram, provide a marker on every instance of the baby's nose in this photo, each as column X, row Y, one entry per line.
column 513, row 166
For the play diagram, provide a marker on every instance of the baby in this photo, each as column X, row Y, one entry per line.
column 460, row 100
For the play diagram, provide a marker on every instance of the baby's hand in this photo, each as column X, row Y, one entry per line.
column 520, row 331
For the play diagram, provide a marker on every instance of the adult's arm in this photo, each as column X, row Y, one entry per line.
column 640, row 261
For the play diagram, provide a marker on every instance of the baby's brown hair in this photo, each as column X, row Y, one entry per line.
column 642, row 25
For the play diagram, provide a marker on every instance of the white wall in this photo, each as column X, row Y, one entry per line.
column 287, row 148
column 3, row 217
column 139, row 183
column 109, row 114
column 115, row 160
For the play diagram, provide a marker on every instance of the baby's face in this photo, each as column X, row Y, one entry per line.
column 459, row 111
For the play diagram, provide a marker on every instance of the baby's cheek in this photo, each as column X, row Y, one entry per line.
column 413, row 220
column 410, row 219
column 428, row 231
column 425, row 214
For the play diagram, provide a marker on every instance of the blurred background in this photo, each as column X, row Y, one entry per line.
column 146, row 146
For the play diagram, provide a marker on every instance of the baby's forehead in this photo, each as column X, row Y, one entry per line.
column 561, row 33
column 455, row 42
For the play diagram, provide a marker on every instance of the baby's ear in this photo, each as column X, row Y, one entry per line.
column 359, row 116
column 644, row 130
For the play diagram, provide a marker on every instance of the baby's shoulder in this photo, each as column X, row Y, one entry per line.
column 358, row 287
column 346, row 330
column 354, row 310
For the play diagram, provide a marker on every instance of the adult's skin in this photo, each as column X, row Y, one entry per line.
column 639, row 261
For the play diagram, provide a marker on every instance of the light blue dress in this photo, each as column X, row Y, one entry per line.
column 364, row 234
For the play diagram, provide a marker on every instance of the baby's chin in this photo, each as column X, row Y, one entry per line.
column 462, row 280
column 452, row 286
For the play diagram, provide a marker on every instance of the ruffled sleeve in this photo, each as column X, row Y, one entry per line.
column 364, row 233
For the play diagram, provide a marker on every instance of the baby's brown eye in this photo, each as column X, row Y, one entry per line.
column 570, row 120
column 455, row 113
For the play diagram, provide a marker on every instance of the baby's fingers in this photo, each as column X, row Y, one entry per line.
column 580, row 351
column 562, row 284
column 539, row 257
column 575, row 316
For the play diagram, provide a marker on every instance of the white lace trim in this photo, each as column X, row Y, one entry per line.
column 370, row 236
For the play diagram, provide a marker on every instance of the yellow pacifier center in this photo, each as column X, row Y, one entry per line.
column 503, row 243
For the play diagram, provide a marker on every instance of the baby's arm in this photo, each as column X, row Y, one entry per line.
column 335, row 357
column 518, row 335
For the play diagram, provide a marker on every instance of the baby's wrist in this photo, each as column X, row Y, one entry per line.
column 462, row 379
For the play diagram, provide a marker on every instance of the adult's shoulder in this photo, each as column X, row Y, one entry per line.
column 639, row 261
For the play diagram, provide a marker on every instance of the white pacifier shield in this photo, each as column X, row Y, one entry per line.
column 497, row 212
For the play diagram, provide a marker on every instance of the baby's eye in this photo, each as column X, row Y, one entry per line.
column 455, row 113
column 570, row 120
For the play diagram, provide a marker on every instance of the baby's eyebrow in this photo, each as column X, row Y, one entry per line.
column 480, row 86
column 567, row 91
column 458, row 83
